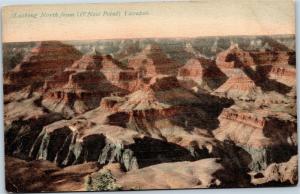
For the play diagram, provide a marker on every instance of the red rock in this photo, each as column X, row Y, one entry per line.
column 156, row 106
column 202, row 71
column 90, row 61
column 98, row 108
column 239, row 86
column 273, row 58
column 80, row 87
column 119, row 75
column 46, row 59
column 234, row 57
column 258, row 128
column 285, row 74
column 263, row 64
column 108, row 103
column 152, row 61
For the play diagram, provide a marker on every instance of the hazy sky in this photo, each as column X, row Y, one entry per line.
column 180, row 19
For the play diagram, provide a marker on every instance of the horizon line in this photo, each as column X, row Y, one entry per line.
column 163, row 37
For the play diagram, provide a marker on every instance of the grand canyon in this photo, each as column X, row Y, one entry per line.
column 153, row 113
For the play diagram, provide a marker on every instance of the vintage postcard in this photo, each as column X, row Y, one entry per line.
column 142, row 96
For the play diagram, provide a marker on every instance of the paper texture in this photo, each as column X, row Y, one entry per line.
column 144, row 20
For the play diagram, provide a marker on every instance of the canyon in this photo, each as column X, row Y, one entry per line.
column 150, row 114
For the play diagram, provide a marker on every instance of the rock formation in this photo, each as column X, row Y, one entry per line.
column 36, row 176
column 127, row 48
column 180, row 175
column 151, row 114
column 120, row 75
column 23, row 126
column 284, row 74
column 152, row 61
column 274, row 57
column 234, row 57
column 249, row 76
column 203, row 72
column 162, row 103
column 154, row 111
column 262, row 134
column 278, row 173
column 239, row 86
column 80, row 87
column 44, row 60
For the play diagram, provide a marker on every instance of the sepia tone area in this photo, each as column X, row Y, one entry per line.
column 148, row 20
column 156, row 113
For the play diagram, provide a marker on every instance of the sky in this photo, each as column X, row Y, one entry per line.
column 148, row 20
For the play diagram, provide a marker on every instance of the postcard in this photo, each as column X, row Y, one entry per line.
column 146, row 96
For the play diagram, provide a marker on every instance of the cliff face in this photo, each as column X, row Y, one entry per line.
column 76, row 141
column 239, row 66
column 261, row 132
column 284, row 74
column 81, row 87
column 123, row 129
column 161, row 104
column 152, row 61
column 150, row 110
column 127, row 49
column 265, row 123
column 234, row 57
column 203, row 72
column 120, row 75
column 278, row 173
column 44, row 60
column 239, row 86
column 250, row 76
column 274, row 57
column 23, row 126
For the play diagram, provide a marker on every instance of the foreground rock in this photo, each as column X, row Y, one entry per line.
column 205, row 173
column 44, row 176
column 278, row 174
